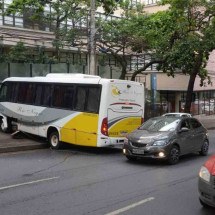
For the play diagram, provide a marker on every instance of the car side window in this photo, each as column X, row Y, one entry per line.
column 185, row 124
column 195, row 123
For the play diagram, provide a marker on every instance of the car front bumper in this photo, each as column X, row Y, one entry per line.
column 148, row 152
column 206, row 192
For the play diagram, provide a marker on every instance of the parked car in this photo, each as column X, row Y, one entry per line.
column 178, row 114
column 167, row 138
column 206, row 183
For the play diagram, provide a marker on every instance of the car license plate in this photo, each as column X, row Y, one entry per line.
column 138, row 151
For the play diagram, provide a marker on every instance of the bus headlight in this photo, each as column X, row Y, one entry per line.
column 204, row 174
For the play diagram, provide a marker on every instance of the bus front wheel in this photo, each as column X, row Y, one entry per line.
column 2, row 127
column 54, row 140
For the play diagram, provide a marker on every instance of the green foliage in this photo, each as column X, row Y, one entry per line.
column 108, row 5
column 181, row 37
column 41, row 56
column 116, row 37
column 66, row 32
column 18, row 53
column 22, row 54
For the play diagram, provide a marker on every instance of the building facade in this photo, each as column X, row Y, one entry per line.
column 166, row 94
column 170, row 92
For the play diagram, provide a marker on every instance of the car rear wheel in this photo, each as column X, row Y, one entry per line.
column 131, row 158
column 174, row 154
column 204, row 148
column 54, row 140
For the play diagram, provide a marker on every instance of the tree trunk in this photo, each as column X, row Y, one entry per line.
column 190, row 92
column 123, row 73
column 196, row 70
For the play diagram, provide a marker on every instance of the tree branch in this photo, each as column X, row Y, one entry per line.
column 145, row 67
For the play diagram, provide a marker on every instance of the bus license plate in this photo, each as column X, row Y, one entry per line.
column 138, row 151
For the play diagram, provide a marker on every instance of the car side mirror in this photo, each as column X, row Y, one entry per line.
column 184, row 129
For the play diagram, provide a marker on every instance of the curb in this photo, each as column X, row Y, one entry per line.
column 211, row 128
column 22, row 148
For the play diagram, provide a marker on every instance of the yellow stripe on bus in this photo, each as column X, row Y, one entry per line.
column 81, row 130
column 124, row 126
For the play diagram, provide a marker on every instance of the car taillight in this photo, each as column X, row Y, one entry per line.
column 104, row 127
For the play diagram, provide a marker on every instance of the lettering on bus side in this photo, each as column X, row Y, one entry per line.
column 29, row 111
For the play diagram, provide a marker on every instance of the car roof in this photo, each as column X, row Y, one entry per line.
column 167, row 117
column 177, row 113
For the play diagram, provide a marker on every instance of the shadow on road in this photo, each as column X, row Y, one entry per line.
column 159, row 162
column 92, row 150
column 207, row 211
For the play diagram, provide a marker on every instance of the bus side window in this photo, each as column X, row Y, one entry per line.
column 3, row 92
column 68, row 97
column 93, row 99
column 81, row 93
column 22, row 92
column 38, row 95
column 57, row 96
column 46, row 100
column 29, row 94
column 62, row 96
column 14, row 90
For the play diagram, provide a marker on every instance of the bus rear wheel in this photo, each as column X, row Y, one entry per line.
column 54, row 140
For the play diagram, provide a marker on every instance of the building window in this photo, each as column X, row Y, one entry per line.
column 149, row 2
column 135, row 2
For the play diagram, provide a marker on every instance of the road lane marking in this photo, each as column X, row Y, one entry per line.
column 121, row 210
column 27, row 183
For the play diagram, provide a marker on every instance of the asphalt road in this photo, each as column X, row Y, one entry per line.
column 77, row 181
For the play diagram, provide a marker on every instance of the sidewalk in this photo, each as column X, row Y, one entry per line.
column 23, row 143
column 207, row 120
column 10, row 144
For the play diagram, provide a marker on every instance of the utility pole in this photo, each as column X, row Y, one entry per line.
column 91, row 41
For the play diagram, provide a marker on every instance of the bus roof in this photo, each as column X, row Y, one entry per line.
column 69, row 78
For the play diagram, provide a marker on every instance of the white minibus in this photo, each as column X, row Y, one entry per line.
column 73, row 108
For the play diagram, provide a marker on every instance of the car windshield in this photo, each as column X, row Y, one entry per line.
column 160, row 124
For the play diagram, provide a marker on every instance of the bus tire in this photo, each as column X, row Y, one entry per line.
column 54, row 140
column 2, row 127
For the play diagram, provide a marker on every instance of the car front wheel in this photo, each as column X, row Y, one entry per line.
column 174, row 154
column 204, row 148
column 131, row 158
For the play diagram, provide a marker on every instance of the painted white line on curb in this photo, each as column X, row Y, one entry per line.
column 130, row 206
column 27, row 183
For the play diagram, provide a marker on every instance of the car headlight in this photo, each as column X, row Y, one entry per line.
column 204, row 174
column 160, row 143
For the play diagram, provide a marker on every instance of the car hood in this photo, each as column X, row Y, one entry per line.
column 210, row 165
column 144, row 136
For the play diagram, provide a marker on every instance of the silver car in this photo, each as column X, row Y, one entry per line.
column 167, row 138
